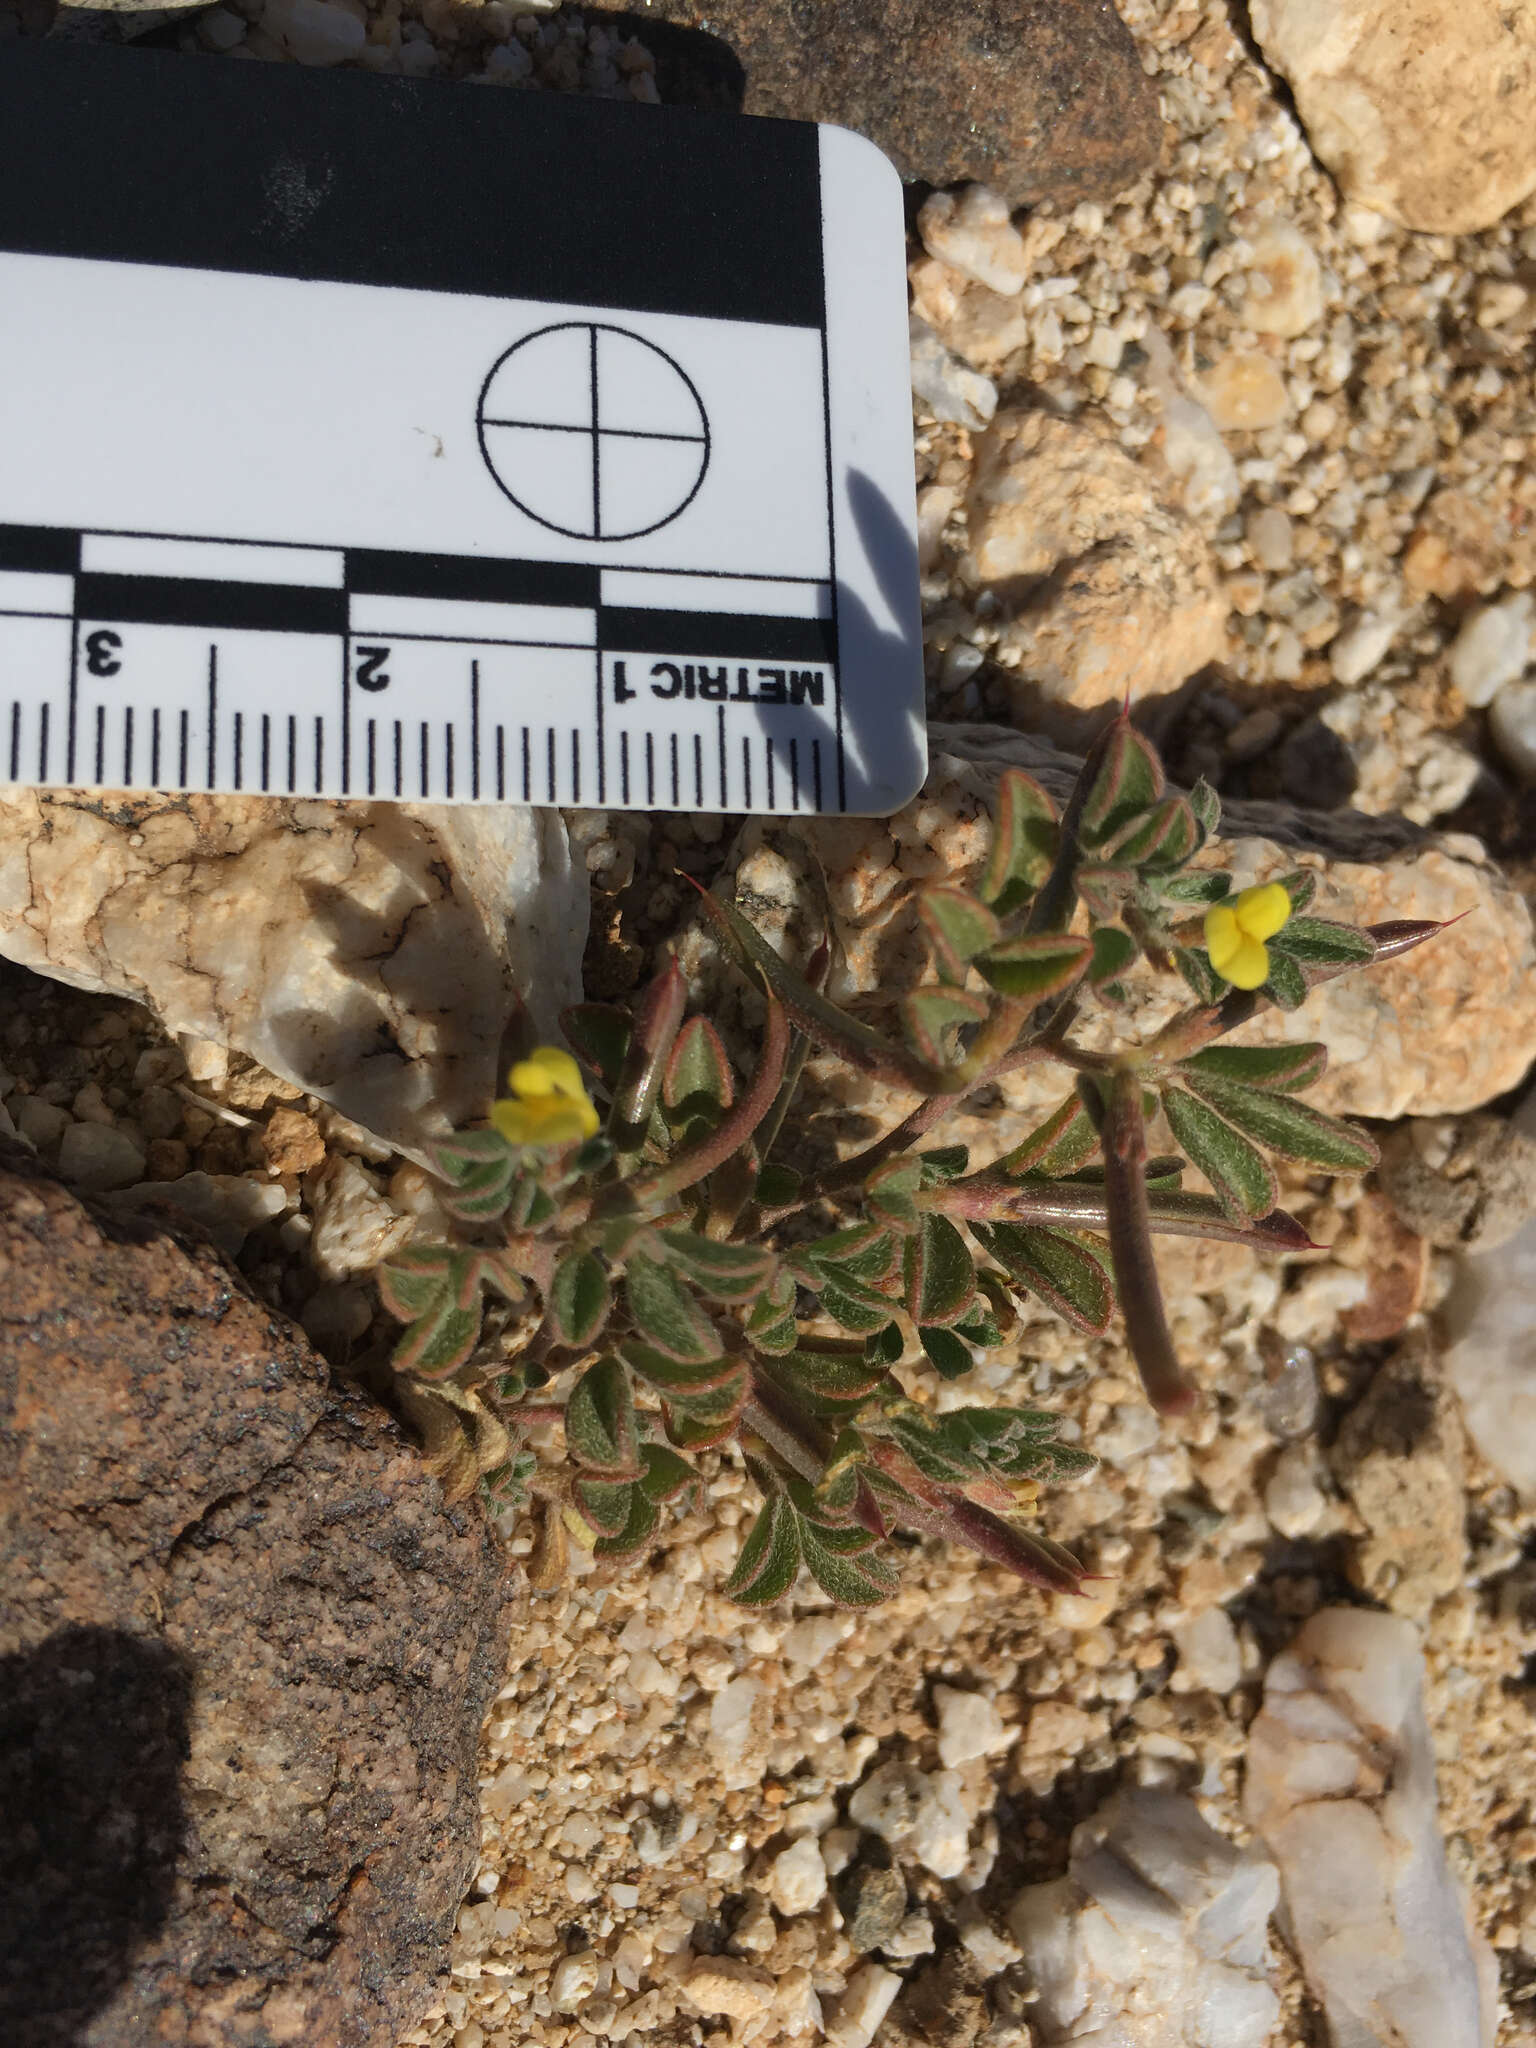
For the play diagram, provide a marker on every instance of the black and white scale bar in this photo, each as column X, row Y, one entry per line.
column 471, row 579
column 727, row 635
column 39, row 550
column 170, row 601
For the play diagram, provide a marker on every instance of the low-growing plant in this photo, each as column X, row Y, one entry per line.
column 635, row 1244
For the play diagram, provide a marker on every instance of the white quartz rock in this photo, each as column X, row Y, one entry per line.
column 946, row 386
column 1155, row 1938
column 971, row 231
column 1493, row 647
column 1341, row 1786
column 369, row 953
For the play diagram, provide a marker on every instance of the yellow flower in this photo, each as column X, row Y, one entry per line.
column 548, row 1105
column 1235, row 933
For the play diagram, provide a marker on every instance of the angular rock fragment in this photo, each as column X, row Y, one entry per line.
column 1341, row 1786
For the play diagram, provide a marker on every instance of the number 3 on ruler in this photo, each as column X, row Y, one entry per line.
column 101, row 653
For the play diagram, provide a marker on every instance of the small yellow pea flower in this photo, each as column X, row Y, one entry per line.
column 1235, row 933
column 548, row 1104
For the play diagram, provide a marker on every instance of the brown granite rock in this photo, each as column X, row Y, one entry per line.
column 244, row 1654
column 1041, row 99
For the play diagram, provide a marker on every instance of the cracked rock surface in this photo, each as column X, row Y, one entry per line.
column 244, row 1654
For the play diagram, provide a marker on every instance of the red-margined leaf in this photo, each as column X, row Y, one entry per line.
column 1163, row 837
column 579, row 1299
column 438, row 1343
column 657, row 1020
column 416, row 1279
column 666, row 1476
column 938, row 1272
column 599, row 1035
column 1293, row 1129
column 830, row 1375
column 1301, row 886
column 484, row 1191
column 492, row 1266
column 890, row 1192
column 1064, row 1142
column 1319, row 942
column 639, row 1527
column 948, row 1352
column 1199, row 885
column 600, row 1421
column 929, row 1014
column 1129, row 780
column 770, row 1558
column 728, row 1272
column 674, row 1379
column 770, row 1324
column 1206, row 805
column 1023, row 844
column 698, row 1076
column 943, row 1164
column 666, row 1314
column 1204, row 982
column 1113, row 952
column 700, row 1421
column 469, row 1152
column 1286, row 982
column 603, row 1504
column 852, row 1311
column 868, row 1252
column 737, row 1123
column 1062, row 1270
column 1243, row 1178
column 846, row 1565
column 1288, row 1068
column 958, row 928
column 821, row 1021
column 1038, row 965
column 884, row 1347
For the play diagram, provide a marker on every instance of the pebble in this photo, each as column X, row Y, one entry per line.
column 1285, row 282
column 873, row 1904
column 913, row 1938
column 969, row 1727
column 97, row 1157
column 720, row 1984
column 1355, row 652
column 730, row 1730
column 355, row 1227
column 944, row 386
column 1512, row 724
column 573, row 1980
column 1293, row 1500
column 1210, row 1657
column 315, row 31
column 229, row 1206
column 1493, row 648
column 971, row 231
column 869, row 1997
column 41, row 1123
column 797, row 1878
column 1340, row 1783
column 1056, row 1728
column 1245, row 392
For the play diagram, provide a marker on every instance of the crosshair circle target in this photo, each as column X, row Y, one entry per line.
column 593, row 431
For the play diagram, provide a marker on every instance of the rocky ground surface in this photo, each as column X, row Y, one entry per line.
column 1259, row 448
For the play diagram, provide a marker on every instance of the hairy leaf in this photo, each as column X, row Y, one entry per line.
column 1285, row 984
column 1066, row 1274
column 831, row 1375
column 1163, row 837
column 1202, row 885
column 657, row 1020
column 438, row 1343
column 770, row 1557
column 1023, row 843
column 845, row 1565
column 1293, row 1129
column 929, row 1014
column 889, row 1192
column 948, row 1352
column 728, row 1272
column 1288, row 1068
column 599, row 1035
column 770, row 1325
column 1113, row 952
column 1206, row 805
column 958, row 927
column 605, row 1504
column 674, row 1379
column 884, row 1347
column 665, row 1476
column 666, row 1314
column 1129, row 781
column 938, row 1271
column 600, row 1421
column 1060, row 1145
column 853, row 1312
column 1244, row 1180
column 579, row 1299
column 1319, row 942
column 1038, row 965
column 415, row 1280
column 639, row 1527
column 698, row 1079
column 1207, row 985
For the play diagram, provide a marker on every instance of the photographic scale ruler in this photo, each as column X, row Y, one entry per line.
column 367, row 437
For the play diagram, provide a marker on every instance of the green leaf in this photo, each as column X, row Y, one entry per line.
column 1061, row 1269
column 889, row 1192
column 938, row 1272
column 639, row 1527
column 1242, row 1177
column 851, row 1312
column 1285, row 984
column 579, row 1299
column 605, row 1504
column 468, row 1152
column 1024, row 837
column 599, row 1035
column 885, row 1347
column 1060, row 1145
column 928, row 1015
column 1289, row 1068
column 728, row 1272
column 864, row 1251
column 833, row 1375
column 600, row 1421
column 480, row 1175
column 698, row 1079
column 1293, row 1129
column 438, row 1343
column 777, row 1186
column 958, row 927
column 1207, row 985
column 1319, row 942
column 415, row 1280
column 671, row 1377
column 697, row 1422
column 770, row 1325
column 1113, row 952
column 666, row 1314
column 770, row 1557
column 1129, row 781
column 1206, row 805
column 1203, row 885
column 1038, row 965
column 943, row 1164
column 665, row 1476
column 1163, row 837
column 851, row 1578
column 821, row 1021
column 948, row 1353
column 1301, row 886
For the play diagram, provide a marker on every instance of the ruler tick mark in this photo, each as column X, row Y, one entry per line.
column 527, row 769
column 373, row 754
column 16, row 742
column 319, row 755
column 816, row 771
column 266, row 749
column 501, row 764
column 768, row 762
column 575, row 766
column 551, row 763
column 154, row 749
column 128, row 750
column 794, row 773
column 746, row 771
column 293, row 753
column 101, row 744
column 42, row 745
column 213, row 717
column 676, row 797
column 624, row 767
column 474, row 728
column 698, row 770
column 650, row 770
column 181, row 774
column 448, row 757
column 426, row 746
column 399, row 758
column 720, row 744
column 239, row 749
